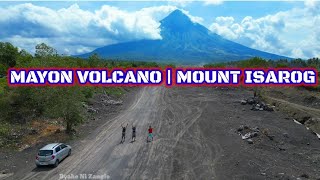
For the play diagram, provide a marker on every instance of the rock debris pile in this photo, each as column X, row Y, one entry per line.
column 257, row 104
column 248, row 133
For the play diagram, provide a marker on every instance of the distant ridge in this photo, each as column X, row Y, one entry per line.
column 184, row 42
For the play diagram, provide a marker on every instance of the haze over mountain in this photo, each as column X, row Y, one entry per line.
column 183, row 41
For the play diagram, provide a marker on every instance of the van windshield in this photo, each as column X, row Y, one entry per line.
column 45, row 152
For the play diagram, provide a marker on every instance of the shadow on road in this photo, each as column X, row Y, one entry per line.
column 42, row 168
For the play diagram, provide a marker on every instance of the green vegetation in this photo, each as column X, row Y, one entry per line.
column 8, row 55
column 21, row 105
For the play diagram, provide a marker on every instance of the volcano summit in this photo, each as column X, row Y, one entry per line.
column 184, row 42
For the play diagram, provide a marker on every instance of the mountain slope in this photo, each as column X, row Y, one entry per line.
column 182, row 41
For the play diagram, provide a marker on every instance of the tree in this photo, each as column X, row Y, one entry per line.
column 23, row 104
column 254, row 62
column 215, row 65
column 314, row 62
column 94, row 60
column 8, row 54
column 24, row 58
column 65, row 102
column 3, row 70
column 43, row 50
column 298, row 63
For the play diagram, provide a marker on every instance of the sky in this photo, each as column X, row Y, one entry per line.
column 289, row 28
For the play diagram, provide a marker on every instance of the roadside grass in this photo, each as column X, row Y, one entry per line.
column 4, row 129
column 10, row 135
column 3, row 85
column 116, row 91
column 20, row 137
column 89, row 92
column 43, row 131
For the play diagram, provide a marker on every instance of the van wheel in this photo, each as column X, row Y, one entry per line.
column 69, row 153
column 56, row 163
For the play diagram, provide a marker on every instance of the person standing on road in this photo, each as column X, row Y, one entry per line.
column 133, row 133
column 150, row 135
column 124, row 128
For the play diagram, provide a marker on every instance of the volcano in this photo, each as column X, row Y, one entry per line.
column 183, row 42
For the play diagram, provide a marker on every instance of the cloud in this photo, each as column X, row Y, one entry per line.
column 195, row 19
column 311, row 3
column 73, row 30
column 179, row 3
column 213, row 2
column 292, row 33
column 297, row 52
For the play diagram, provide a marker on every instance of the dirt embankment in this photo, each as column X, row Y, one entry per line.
column 298, row 103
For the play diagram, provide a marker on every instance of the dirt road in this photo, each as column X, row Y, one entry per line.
column 195, row 138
